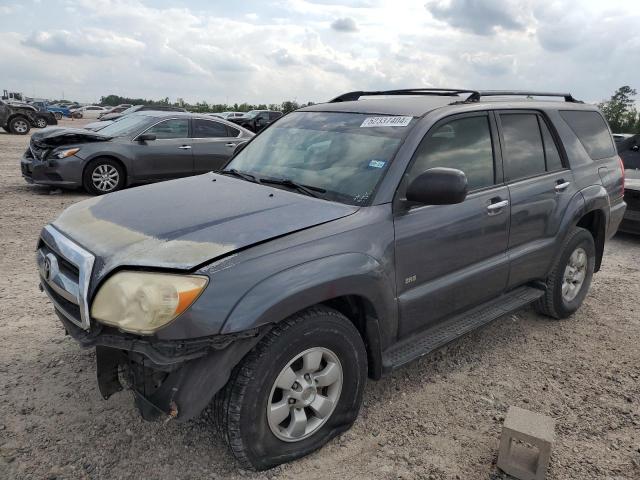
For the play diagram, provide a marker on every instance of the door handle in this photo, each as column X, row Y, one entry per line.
column 497, row 207
column 230, row 144
column 561, row 187
column 185, row 147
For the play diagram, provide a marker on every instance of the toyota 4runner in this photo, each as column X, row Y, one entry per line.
column 346, row 240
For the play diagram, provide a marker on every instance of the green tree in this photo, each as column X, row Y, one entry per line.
column 620, row 111
column 289, row 106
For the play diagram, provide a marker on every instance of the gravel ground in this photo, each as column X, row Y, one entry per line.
column 438, row 418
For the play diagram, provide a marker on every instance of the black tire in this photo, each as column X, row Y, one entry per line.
column 41, row 122
column 76, row 115
column 107, row 165
column 553, row 304
column 58, row 115
column 241, row 407
column 19, row 125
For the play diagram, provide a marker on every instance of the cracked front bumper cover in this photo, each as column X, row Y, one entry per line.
column 176, row 379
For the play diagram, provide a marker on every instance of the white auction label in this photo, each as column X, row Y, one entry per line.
column 386, row 122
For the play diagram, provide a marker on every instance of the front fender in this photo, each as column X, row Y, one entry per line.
column 292, row 290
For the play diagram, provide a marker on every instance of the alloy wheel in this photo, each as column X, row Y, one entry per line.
column 41, row 123
column 105, row 177
column 574, row 274
column 20, row 126
column 305, row 394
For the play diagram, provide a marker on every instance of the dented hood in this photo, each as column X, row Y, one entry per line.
column 53, row 137
column 183, row 223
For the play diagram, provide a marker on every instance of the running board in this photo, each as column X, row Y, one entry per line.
column 435, row 337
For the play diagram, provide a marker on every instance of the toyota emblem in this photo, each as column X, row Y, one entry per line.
column 47, row 268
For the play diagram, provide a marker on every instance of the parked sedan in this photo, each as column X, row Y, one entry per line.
column 141, row 148
column 91, row 111
column 256, row 120
column 140, row 108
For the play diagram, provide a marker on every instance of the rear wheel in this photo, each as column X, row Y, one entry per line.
column 41, row 122
column 58, row 115
column 569, row 281
column 103, row 175
column 301, row 386
column 19, row 125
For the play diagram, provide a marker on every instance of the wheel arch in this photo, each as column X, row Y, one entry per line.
column 595, row 222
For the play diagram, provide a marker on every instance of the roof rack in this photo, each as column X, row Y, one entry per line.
column 524, row 93
column 352, row 96
column 474, row 95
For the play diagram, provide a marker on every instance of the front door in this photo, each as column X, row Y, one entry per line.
column 541, row 187
column 450, row 258
column 169, row 155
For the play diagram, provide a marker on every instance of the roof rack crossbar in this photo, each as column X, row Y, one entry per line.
column 524, row 93
column 353, row 96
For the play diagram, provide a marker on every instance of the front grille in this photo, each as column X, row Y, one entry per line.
column 65, row 270
column 26, row 169
column 38, row 153
column 632, row 199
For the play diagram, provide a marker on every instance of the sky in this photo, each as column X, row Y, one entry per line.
column 312, row 50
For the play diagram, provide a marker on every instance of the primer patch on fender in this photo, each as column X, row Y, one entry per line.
column 387, row 121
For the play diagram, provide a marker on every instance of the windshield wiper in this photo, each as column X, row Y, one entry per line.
column 236, row 173
column 287, row 182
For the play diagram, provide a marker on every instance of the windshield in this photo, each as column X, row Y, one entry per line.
column 135, row 108
column 329, row 151
column 125, row 126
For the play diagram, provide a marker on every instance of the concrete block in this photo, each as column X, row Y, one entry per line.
column 525, row 444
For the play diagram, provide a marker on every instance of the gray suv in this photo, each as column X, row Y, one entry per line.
column 344, row 241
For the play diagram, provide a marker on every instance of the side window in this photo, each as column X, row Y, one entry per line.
column 208, row 129
column 274, row 115
column 523, row 151
column 174, row 128
column 464, row 144
column 554, row 162
column 233, row 132
column 592, row 131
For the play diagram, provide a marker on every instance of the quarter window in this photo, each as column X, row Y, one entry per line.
column 464, row 144
column 174, row 128
column 592, row 131
column 554, row 161
column 209, row 129
column 523, row 148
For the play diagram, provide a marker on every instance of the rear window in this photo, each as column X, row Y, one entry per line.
column 592, row 132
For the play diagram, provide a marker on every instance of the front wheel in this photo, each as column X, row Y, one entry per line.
column 41, row 122
column 569, row 281
column 103, row 175
column 301, row 386
column 19, row 126
column 58, row 115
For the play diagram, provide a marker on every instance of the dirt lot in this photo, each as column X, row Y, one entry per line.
column 438, row 418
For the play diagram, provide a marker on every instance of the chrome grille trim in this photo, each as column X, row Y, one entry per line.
column 73, row 290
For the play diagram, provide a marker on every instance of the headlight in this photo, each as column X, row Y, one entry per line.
column 67, row 153
column 141, row 302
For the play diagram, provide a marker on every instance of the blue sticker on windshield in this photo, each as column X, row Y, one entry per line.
column 377, row 163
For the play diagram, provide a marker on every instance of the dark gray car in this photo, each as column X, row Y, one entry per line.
column 140, row 148
column 344, row 241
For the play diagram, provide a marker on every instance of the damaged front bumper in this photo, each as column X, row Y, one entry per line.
column 51, row 171
column 171, row 379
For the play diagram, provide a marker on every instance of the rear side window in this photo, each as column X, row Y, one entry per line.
column 464, row 144
column 208, row 129
column 592, row 132
column 523, row 148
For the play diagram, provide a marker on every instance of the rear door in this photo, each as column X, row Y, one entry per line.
column 450, row 258
column 212, row 144
column 540, row 188
column 169, row 155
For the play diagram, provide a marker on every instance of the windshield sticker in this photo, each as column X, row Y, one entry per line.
column 386, row 122
column 377, row 163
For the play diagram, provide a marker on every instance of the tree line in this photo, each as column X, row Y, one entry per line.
column 621, row 111
column 204, row 107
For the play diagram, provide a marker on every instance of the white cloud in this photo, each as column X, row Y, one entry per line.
column 284, row 49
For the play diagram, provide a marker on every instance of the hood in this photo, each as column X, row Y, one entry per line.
column 183, row 223
column 54, row 137
column 95, row 126
column 110, row 116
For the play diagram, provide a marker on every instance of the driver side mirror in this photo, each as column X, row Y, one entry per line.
column 635, row 148
column 438, row 186
column 145, row 137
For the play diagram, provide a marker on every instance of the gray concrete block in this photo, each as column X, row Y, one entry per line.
column 525, row 444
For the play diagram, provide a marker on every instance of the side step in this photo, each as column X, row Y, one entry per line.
column 435, row 337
